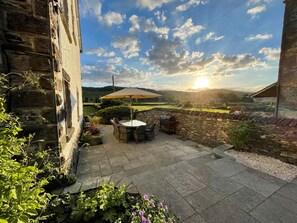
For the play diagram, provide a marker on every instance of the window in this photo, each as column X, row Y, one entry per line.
column 67, row 105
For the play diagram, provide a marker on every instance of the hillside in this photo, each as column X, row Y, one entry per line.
column 209, row 94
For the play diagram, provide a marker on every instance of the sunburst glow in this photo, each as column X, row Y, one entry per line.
column 201, row 83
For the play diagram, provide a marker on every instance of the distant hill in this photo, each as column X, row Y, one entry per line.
column 93, row 93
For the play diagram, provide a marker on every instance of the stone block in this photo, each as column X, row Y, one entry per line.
column 203, row 199
column 42, row 45
column 269, row 211
column 24, row 62
column 226, row 211
column 41, row 8
column 226, row 166
column 253, row 182
column 33, row 99
column 27, row 23
column 246, row 199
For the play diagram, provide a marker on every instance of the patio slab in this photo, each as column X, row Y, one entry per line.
column 199, row 187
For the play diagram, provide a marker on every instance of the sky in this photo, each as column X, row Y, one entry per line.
column 181, row 44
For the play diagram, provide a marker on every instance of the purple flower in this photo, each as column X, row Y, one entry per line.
column 153, row 204
column 146, row 197
column 141, row 213
column 134, row 213
column 143, row 219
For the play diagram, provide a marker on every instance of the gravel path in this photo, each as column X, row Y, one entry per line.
column 265, row 164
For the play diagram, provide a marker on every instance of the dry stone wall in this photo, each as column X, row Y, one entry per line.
column 274, row 137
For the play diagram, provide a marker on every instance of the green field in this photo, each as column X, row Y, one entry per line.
column 91, row 108
column 148, row 107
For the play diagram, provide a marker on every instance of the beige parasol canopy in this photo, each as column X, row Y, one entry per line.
column 131, row 93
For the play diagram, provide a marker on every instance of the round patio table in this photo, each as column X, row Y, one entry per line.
column 133, row 123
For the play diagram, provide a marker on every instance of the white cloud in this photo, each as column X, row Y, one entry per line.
column 259, row 37
column 187, row 29
column 87, row 69
column 270, row 53
column 147, row 25
column 91, row 8
column 213, row 37
column 116, row 60
column 189, row 4
column 125, row 76
column 111, row 18
column 160, row 16
column 129, row 46
column 167, row 58
column 256, row 10
column 152, row 4
column 100, row 52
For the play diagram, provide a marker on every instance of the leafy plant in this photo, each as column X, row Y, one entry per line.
column 21, row 192
column 240, row 135
column 108, row 204
column 106, row 103
column 109, row 113
column 149, row 209
column 95, row 120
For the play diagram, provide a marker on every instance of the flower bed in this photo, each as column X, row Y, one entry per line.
column 108, row 204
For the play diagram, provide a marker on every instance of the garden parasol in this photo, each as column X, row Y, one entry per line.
column 131, row 93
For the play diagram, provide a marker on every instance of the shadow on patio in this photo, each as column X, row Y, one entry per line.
column 197, row 186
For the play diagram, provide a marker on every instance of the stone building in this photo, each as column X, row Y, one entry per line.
column 287, row 78
column 43, row 36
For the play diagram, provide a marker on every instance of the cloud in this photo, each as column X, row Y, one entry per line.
column 211, row 36
column 152, row 4
column 160, row 16
column 129, row 46
column 186, row 30
column 100, row 52
column 208, row 37
column 167, row 58
column 189, row 4
column 116, row 60
column 87, row 69
column 147, row 26
column 90, row 8
column 259, row 37
column 111, row 18
column 270, row 53
column 255, row 2
column 125, row 76
column 256, row 10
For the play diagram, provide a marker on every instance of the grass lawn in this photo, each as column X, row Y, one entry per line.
column 148, row 107
column 89, row 110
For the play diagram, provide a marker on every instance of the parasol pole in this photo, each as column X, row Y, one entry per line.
column 131, row 115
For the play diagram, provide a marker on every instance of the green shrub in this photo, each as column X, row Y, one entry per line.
column 240, row 135
column 21, row 192
column 106, row 103
column 107, row 204
column 95, row 120
column 109, row 113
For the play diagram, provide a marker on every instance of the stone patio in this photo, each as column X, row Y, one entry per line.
column 197, row 186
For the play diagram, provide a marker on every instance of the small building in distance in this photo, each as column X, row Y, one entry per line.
column 43, row 37
column 267, row 94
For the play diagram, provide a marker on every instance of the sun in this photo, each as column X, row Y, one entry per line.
column 201, row 83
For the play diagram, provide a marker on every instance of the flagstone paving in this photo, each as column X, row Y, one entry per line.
column 198, row 187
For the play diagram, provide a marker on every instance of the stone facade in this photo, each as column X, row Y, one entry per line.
column 44, row 37
column 287, row 79
column 273, row 136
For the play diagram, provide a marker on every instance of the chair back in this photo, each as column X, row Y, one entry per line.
column 140, row 129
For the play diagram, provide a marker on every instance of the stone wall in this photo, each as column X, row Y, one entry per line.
column 44, row 37
column 272, row 136
column 287, row 79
